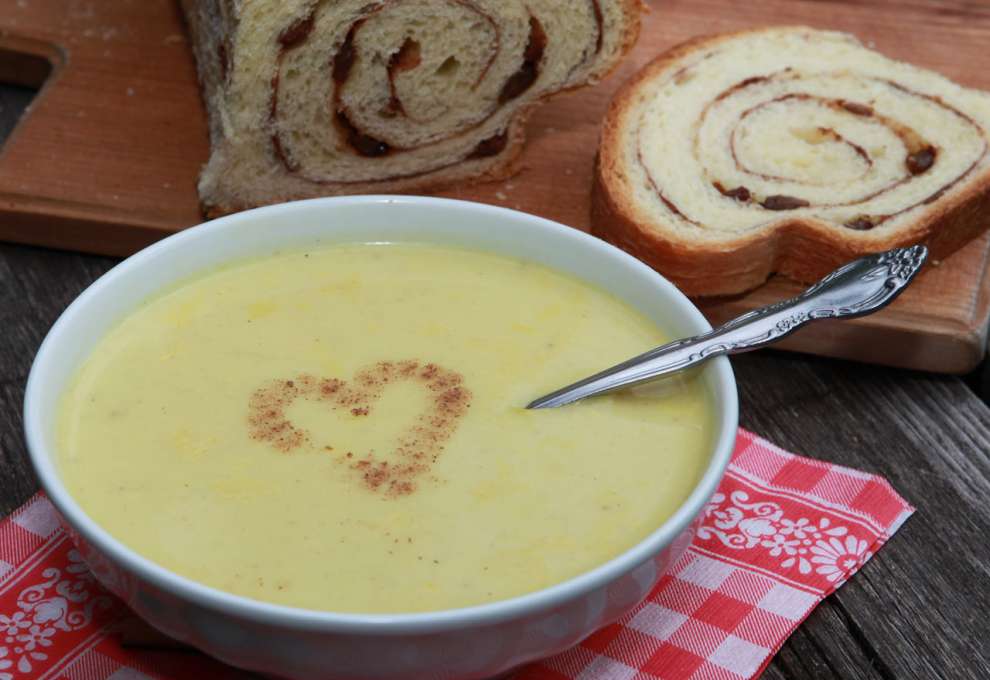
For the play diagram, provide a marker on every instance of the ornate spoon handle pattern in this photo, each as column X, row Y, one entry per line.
column 856, row 289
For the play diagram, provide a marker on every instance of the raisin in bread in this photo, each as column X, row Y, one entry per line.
column 309, row 98
column 787, row 150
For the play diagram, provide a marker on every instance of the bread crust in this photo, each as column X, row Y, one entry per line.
column 498, row 167
column 801, row 248
column 502, row 166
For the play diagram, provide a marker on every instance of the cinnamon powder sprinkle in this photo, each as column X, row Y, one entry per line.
column 416, row 449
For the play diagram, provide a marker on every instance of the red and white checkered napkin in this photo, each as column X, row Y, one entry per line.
column 781, row 534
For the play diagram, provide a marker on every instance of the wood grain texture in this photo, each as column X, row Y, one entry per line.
column 35, row 286
column 916, row 610
column 107, row 158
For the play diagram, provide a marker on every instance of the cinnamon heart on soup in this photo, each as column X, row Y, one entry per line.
column 416, row 449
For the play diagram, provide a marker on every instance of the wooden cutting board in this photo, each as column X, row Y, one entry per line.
column 106, row 158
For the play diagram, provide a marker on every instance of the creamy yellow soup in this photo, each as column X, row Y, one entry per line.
column 343, row 429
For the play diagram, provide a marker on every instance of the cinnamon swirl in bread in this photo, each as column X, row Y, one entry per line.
column 312, row 98
column 787, row 150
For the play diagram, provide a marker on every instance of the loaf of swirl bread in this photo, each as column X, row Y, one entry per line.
column 787, row 150
column 311, row 98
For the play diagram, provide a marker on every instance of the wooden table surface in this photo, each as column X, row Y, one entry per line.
column 917, row 610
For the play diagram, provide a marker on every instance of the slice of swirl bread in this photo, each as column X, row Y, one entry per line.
column 787, row 150
column 316, row 97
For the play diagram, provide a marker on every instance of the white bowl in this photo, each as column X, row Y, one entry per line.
column 473, row 642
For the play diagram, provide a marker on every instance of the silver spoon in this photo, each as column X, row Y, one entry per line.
column 859, row 288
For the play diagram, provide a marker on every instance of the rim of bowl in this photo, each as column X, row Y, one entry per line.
column 43, row 459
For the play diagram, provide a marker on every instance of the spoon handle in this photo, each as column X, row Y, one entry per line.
column 855, row 289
